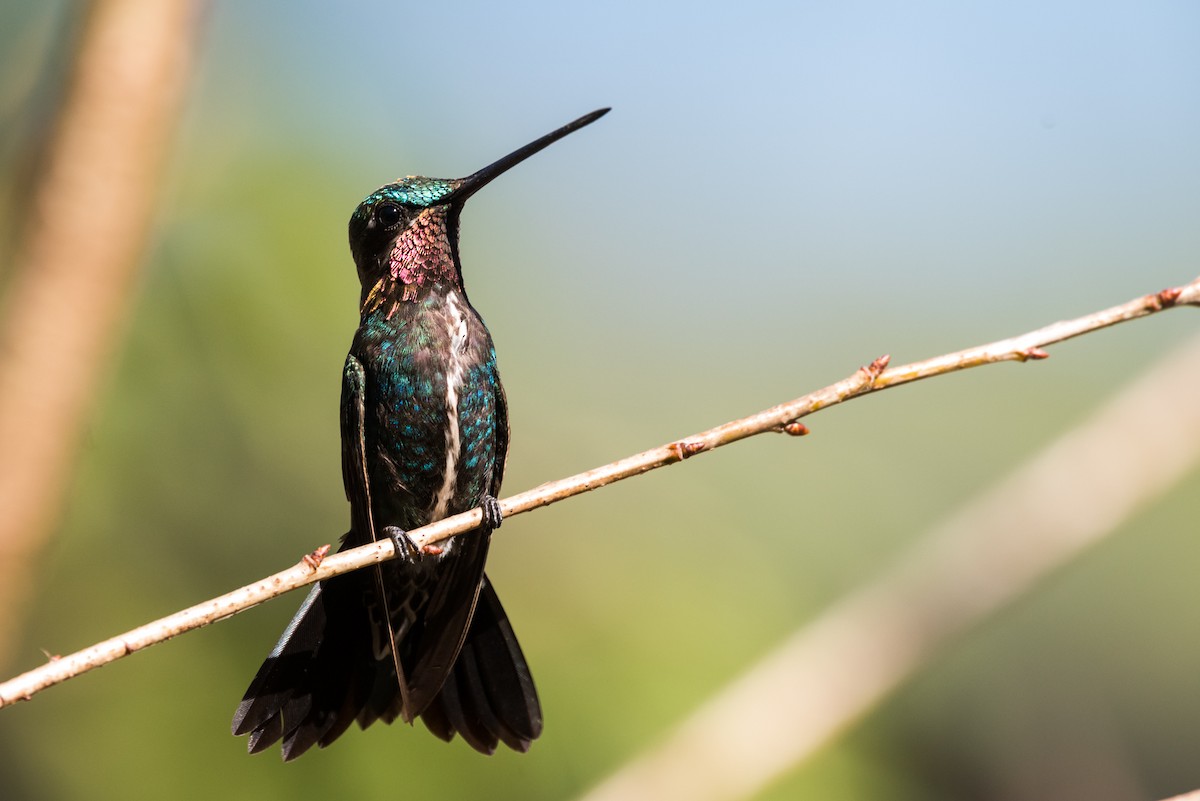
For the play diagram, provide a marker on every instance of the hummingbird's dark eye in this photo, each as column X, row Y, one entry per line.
column 388, row 214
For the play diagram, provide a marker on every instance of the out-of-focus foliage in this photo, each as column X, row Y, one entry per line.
column 782, row 193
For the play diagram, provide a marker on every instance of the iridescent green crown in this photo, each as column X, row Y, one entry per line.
column 411, row 191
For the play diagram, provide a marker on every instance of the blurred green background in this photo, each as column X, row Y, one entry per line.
column 783, row 192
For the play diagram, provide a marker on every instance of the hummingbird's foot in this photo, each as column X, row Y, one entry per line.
column 406, row 549
column 492, row 516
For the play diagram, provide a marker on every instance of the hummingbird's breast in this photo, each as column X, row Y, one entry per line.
column 432, row 410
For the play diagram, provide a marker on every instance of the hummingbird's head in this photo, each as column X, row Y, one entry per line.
column 412, row 209
column 406, row 233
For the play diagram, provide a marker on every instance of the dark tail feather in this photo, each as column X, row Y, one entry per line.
column 489, row 696
column 323, row 675
column 313, row 684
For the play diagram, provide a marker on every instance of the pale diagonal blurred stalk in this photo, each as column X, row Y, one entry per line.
column 833, row 671
column 89, row 217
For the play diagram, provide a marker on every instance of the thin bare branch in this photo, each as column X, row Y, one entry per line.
column 784, row 418
column 832, row 671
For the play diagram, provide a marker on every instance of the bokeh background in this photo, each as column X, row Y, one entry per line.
column 782, row 192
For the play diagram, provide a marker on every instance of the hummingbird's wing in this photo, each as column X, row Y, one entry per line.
column 357, row 480
column 501, row 454
column 354, row 448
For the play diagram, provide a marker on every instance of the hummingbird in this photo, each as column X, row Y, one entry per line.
column 424, row 425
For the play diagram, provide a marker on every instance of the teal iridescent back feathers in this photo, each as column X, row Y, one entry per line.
column 424, row 435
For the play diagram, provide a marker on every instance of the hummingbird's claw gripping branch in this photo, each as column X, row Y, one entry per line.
column 406, row 549
column 493, row 516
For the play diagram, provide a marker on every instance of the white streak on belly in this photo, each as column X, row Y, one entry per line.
column 456, row 325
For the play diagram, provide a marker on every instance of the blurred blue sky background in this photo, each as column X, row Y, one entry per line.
column 782, row 192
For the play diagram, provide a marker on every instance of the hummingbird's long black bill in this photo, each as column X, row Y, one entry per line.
column 473, row 183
